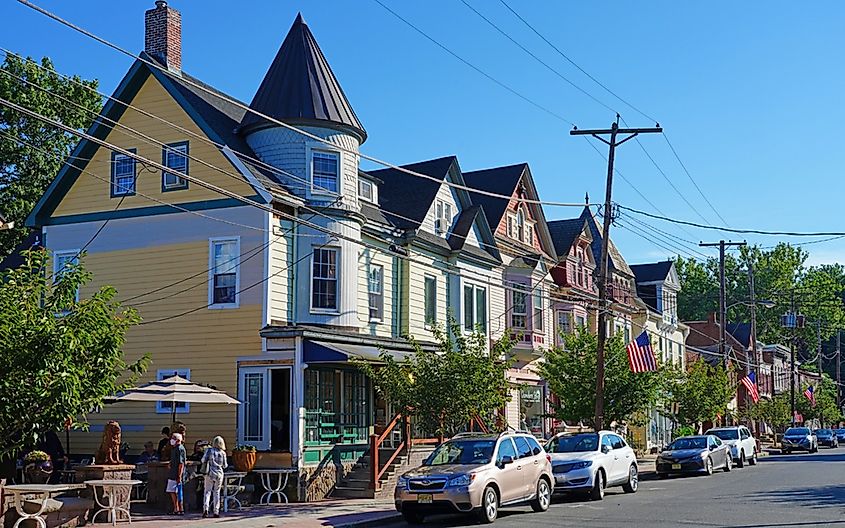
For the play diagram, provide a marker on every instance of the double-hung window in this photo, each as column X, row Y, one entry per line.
column 443, row 217
column 62, row 262
column 520, row 225
column 225, row 266
column 475, row 308
column 519, row 306
column 174, row 156
column 122, row 174
column 324, row 278
column 538, row 309
column 375, row 292
column 366, row 191
column 167, row 407
column 325, row 172
column 564, row 322
column 430, row 300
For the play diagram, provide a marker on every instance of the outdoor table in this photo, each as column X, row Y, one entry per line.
column 44, row 490
column 231, row 487
column 276, row 490
column 118, row 501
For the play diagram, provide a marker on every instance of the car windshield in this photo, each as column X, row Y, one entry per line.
column 579, row 443
column 464, row 451
column 824, row 432
column 725, row 434
column 797, row 431
column 696, row 442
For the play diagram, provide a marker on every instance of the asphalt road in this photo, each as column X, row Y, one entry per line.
column 799, row 490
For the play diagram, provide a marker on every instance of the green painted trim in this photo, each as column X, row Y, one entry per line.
column 150, row 211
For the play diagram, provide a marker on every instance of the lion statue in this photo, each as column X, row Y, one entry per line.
column 109, row 451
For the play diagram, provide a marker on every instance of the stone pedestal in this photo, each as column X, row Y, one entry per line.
column 106, row 472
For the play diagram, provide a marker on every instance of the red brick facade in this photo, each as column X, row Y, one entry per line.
column 163, row 35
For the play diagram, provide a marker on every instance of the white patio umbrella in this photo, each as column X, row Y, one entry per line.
column 175, row 389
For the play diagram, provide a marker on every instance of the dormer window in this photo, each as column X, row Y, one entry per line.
column 520, row 225
column 367, row 191
column 443, row 217
column 325, row 167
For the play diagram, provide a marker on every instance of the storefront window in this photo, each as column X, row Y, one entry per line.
column 337, row 406
column 531, row 410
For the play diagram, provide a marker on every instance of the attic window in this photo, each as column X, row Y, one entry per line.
column 174, row 156
column 443, row 217
column 122, row 174
column 366, row 191
column 520, row 225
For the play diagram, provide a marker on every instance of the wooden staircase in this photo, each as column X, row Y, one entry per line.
column 357, row 483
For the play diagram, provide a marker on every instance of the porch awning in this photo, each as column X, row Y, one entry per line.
column 323, row 352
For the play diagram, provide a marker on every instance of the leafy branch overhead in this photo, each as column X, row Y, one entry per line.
column 61, row 357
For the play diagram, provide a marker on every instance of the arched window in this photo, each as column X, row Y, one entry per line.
column 520, row 225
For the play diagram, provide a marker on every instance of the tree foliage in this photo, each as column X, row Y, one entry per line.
column 25, row 172
column 825, row 410
column 702, row 393
column 443, row 391
column 570, row 372
column 775, row 412
column 61, row 357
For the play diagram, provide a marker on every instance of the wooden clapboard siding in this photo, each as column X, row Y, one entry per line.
column 280, row 283
column 89, row 194
column 423, row 264
column 367, row 257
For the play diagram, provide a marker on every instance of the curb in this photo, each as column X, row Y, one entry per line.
column 381, row 520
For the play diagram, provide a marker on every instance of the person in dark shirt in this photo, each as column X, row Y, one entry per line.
column 165, row 437
column 178, row 457
column 148, row 455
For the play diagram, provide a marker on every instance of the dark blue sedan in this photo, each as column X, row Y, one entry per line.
column 840, row 435
column 827, row 438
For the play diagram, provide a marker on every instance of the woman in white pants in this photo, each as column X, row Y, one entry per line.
column 215, row 459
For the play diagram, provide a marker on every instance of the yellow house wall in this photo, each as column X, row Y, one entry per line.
column 89, row 194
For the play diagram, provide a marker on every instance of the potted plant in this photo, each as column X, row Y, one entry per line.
column 244, row 457
column 38, row 467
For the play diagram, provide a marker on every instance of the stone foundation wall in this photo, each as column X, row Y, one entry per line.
column 316, row 482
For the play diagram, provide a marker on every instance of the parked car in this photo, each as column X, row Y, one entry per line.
column 592, row 462
column 742, row 443
column 840, row 435
column 827, row 438
column 798, row 439
column 694, row 454
column 477, row 473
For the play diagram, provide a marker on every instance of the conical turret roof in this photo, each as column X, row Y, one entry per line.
column 300, row 86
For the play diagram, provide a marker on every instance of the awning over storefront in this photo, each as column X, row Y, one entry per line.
column 323, row 352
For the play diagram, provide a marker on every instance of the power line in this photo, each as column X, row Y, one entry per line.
column 683, row 166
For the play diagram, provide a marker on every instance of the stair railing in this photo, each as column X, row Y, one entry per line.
column 377, row 470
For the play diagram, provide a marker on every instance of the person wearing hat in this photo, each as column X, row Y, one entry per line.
column 178, row 457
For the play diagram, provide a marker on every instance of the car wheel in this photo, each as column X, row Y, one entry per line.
column 412, row 517
column 597, row 492
column 662, row 475
column 544, row 496
column 741, row 462
column 489, row 506
column 729, row 463
column 633, row 480
column 753, row 460
column 708, row 466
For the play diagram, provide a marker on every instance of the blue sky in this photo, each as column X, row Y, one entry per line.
column 749, row 93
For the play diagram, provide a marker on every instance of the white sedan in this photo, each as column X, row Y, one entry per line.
column 591, row 462
column 741, row 441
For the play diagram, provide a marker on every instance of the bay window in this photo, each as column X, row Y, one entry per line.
column 475, row 308
column 519, row 306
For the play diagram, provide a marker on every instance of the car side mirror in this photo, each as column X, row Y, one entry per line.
column 505, row 460
column 605, row 449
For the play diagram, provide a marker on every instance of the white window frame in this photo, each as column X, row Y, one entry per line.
column 520, row 225
column 338, row 279
column 537, row 297
column 116, row 190
column 429, row 323
column 442, row 221
column 373, row 191
column 171, row 149
column 475, row 288
column 57, row 254
column 373, row 295
column 181, row 407
column 569, row 326
column 323, row 149
column 212, row 268
column 519, row 288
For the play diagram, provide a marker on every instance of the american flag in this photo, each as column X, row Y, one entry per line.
column 811, row 395
column 641, row 355
column 750, row 382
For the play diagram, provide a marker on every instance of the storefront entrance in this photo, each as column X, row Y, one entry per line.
column 265, row 413
column 532, row 410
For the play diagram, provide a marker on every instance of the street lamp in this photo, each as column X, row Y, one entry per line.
column 763, row 302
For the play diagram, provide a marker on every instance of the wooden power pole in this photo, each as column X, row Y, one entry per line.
column 613, row 132
column 722, row 306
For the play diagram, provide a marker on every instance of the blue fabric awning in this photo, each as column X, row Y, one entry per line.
column 323, row 352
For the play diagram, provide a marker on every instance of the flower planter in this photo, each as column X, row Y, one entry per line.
column 244, row 460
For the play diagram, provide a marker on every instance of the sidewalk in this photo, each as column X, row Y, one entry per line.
column 342, row 513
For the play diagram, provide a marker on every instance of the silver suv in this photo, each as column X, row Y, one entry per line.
column 477, row 473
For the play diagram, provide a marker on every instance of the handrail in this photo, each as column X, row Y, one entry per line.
column 375, row 443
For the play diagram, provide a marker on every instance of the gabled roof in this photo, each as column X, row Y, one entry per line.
column 615, row 260
column 214, row 114
column 498, row 180
column 300, row 86
column 564, row 233
column 466, row 219
column 653, row 271
column 409, row 196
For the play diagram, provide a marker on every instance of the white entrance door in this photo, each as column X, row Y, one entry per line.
column 254, row 412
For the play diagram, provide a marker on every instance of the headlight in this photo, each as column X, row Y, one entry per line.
column 402, row 482
column 461, row 480
column 582, row 465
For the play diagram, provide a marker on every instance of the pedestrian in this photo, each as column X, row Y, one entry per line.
column 215, row 460
column 178, row 457
column 148, row 455
column 165, row 438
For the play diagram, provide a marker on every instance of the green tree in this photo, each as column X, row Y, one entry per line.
column 61, row 357
column 702, row 393
column 696, row 299
column 825, row 409
column 570, row 371
column 442, row 391
column 26, row 172
column 775, row 412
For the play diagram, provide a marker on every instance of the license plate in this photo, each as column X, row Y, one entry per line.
column 676, row 466
column 425, row 498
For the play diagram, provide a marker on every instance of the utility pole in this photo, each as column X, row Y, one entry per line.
column 819, row 337
column 753, row 338
column 722, row 307
column 792, row 321
column 838, row 371
column 613, row 132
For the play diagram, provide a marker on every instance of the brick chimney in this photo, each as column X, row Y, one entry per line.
column 163, row 35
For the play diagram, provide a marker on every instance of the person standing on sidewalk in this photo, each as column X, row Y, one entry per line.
column 215, row 461
column 178, row 458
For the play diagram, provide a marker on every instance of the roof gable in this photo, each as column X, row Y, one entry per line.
column 406, row 199
column 615, row 260
column 653, row 271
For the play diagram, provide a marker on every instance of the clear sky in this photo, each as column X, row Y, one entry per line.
column 749, row 93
